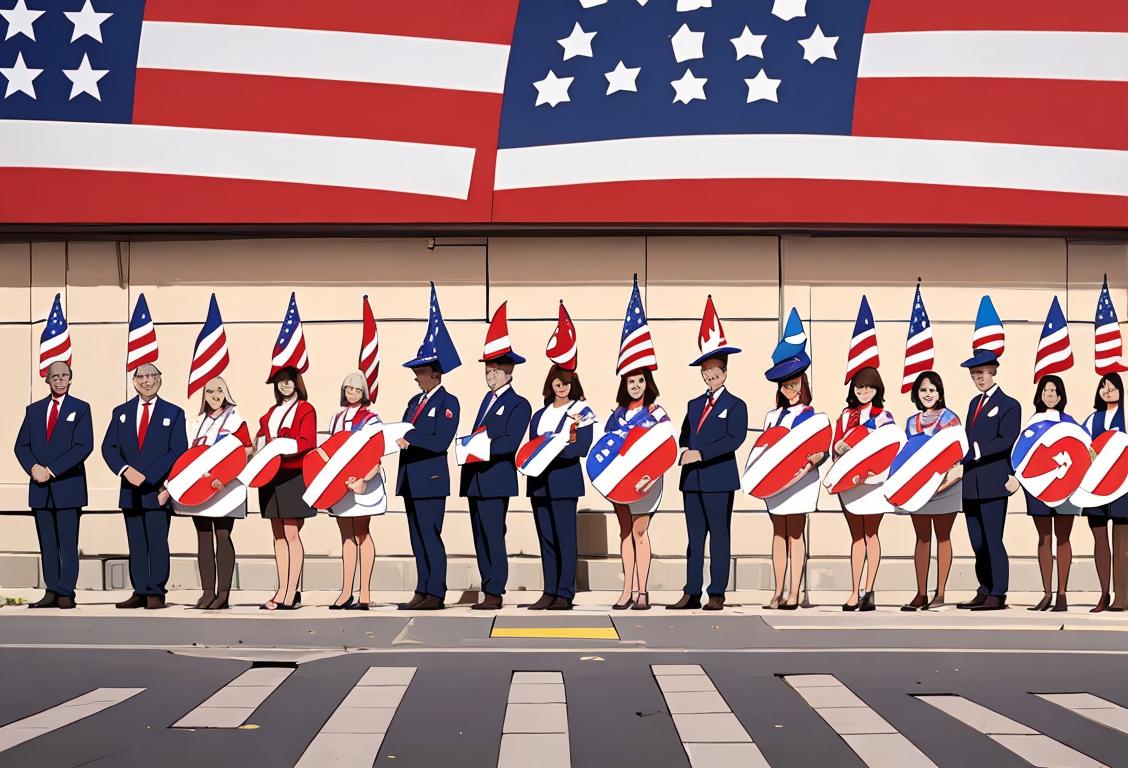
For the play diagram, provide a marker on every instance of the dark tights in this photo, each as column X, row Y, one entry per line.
column 218, row 558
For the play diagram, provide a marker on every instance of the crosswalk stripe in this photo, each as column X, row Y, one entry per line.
column 1032, row 746
column 64, row 714
column 354, row 732
column 874, row 740
column 536, row 722
column 709, row 731
column 233, row 704
column 1092, row 707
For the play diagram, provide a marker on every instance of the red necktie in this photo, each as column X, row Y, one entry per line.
column 419, row 409
column 143, row 426
column 705, row 413
column 978, row 408
column 52, row 418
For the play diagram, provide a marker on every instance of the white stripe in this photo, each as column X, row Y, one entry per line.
column 370, row 347
column 1025, row 742
column 709, row 731
column 874, row 740
column 869, row 354
column 139, row 352
column 1053, row 338
column 1046, row 361
column 324, row 55
column 776, row 156
column 49, row 345
column 206, row 342
column 620, row 466
column 496, row 345
column 233, row 704
column 1108, row 328
column 337, row 462
column 987, row 330
column 1008, row 53
column 284, row 356
column 536, row 722
column 394, row 166
column 1091, row 707
column 919, row 357
column 1104, row 346
column 354, row 732
column 143, row 330
column 62, row 715
column 204, row 368
column 207, row 461
column 278, row 447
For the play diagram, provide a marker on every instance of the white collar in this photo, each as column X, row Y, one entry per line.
column 991, row 392
column 501, row 390
column 715, row 395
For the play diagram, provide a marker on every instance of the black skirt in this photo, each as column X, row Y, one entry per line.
column 281, row 498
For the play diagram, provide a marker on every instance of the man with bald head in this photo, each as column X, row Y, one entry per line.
column 54, row 440
column 145, row 437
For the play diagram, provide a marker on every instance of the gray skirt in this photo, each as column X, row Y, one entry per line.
column 281, row 498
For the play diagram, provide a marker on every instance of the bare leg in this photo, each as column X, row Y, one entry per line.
column 1044, row 527
column 1063, row 527
column 943, row 524
column 873, row 549
column 779, row 555
column 293, row 531
column 922, row 551
column 626, row 550
column 348, row 558
column 367, row 556
column 857, row 554
column 797, row 550
column 641, row 535
column 281, row 558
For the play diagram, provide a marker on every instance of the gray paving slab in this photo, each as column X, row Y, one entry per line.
column 536, row 718
column 978, row 717
column 12, row 737
column 375, row 696
column 1044, row 752
column 543, row 750
column 215, row 717
column 345, row 750
column 387, row 676
column 684, row 683
column 1078, row 700
column 359, row 720
column 887, row 750
column 820, row 697
column 710, row 729
column 273, row 676
column 239, row 696
column 537, row 677
column 725, row 756
column 676, row 669
column 855, row 720
column 695, row 702
column 1117, row 719
column 536, row 693
column 812, row 681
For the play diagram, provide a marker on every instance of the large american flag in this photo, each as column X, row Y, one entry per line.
column 776, row 111
column 636, row 347
column 55, row 341
column 920, row 353
column 1108, row 345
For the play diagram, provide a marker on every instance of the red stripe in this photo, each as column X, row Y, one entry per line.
column 318, row 107
column 1057, row 346
column 1017, row 111
column 485, row 22
column 801, row 201
column 920, row 346
column 1047, row 15
column 207, row 354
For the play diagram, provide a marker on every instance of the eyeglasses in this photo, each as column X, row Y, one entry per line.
column 59, row 377
column 146, row 376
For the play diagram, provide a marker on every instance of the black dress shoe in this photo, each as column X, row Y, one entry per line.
column 65, row 603
column 918, row 603
column 560, row 604
column 543, row 603
column 991, row 603
column 869, row 602
column 1061, row 604
column 716, row 603
column 410, row 605
column 788, row 606
column 357, row 607
column 973, row 602
column 49, row 600
column 489, row 603
column 155, row 602
column 220, row 603
column 206, row 599
column 342, row 606
column 846, row 606
column 133, row 601
column 430, row 603
column 1043, row 604
column 687, row 603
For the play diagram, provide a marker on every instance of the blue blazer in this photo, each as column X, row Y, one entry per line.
column 562, row 478
column 995, row 432
column 505, row 424
column 65, row 454
column 165, row 439
column 723, row 432
column 423, row 471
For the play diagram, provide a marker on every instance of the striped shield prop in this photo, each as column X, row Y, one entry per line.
column 473, row 447
column 625, row 461
column 868, row 461
column 1107, row 478
column 779, row 453
column 1050, row 459
column 223, row 461
column 351, row 454
column 534, row 456
column 264, row 465
column 919, row 468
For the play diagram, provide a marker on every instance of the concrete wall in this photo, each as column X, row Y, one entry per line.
column 752, row 279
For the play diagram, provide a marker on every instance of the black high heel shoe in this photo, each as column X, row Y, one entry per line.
column 220, row 603
column 789, row 606
column 918, row 603
column 847, row 606
column 1043, row 604
column 643, row 602
column 338, row 606
column 869, row 602
column 624, row 606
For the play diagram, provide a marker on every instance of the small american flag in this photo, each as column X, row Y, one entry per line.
column 1107, row 344
column 369, row 361
column 919, row 350
column 988, row 329
column 562, row 348
column 54, row 342
column 863, row 343
column 290, row 348
column 636, row 349
column 1055, row 354
column 142, row 345
column 210, row 355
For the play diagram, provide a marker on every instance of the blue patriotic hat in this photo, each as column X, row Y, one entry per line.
column 790, row 357
column 980, row 357
column 437, row 347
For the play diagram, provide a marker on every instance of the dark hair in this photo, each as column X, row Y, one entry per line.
column 1113, row 379
column 433, row 367
column 1039, row 405
column 867, row 377
column 289, row 374
column 931, row 376
column 649, row 394
column 804, row 391
column 568, row 377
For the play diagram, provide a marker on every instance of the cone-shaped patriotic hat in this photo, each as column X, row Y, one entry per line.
column 437, row 347
column 789, row 359
column 498, row 348
column 987, row 340
column 711, row 341
column 562, row 348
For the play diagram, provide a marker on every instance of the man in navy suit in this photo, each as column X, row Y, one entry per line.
column 714, row 427
column 423, row 480
column 994, row 421
column 489, row 484
column 145, row 437
column 55, row 438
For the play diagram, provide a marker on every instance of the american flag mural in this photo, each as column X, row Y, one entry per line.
column 1108, row 345
column 210, row 355
column 564, row 111
column 54, row 342
column 142, row 346
column 919, row 350
column 290, row 347
column 369, row 360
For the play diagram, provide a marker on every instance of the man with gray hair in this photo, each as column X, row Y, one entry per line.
column 145, row 437
column 54, row 440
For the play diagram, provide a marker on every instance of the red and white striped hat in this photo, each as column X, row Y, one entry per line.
column 498, row 348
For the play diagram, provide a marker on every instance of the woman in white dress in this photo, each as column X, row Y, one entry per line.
column 215, row 518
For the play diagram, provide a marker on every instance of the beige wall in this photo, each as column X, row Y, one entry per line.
column 752, row 279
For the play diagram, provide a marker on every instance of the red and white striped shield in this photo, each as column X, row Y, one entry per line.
column 645, row 454
column 1107, row 478
column 869, row 459
column 223, row 461
column 919, row 468
column 264, row 465
column 779, row 454
column 1050, row 460
column 351, row 454
column 534, row 456
column 473, row 447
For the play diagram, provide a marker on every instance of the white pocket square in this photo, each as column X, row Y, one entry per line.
column 122, row 418
column 993, row 412
column 167, row 422
column 432, row 411
column 500, row 411
column 70, row 417
column 723, row 414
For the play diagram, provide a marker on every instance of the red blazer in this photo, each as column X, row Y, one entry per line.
column 304, row 430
